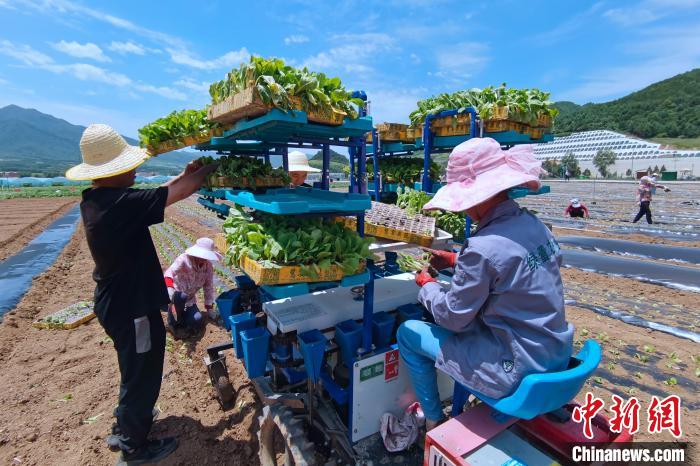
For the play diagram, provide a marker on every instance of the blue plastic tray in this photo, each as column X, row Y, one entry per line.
column 278, row 126
column 218, row 208
column 515, row 193
column 216, row 193
column 285, row 201
column 298, row 289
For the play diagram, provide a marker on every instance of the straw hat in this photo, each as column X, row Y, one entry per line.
column 105, row 153
column 299, row 163
column 478, row 169
column 204, row 249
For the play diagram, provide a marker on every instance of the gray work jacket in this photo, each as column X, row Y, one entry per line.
column 506, row 305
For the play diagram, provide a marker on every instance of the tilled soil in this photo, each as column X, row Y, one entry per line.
column 58, row 388
column 23, row 219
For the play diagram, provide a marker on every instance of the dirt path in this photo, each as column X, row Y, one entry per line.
column 21, row 220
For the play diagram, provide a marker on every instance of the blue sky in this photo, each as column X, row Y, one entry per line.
column 126, row 63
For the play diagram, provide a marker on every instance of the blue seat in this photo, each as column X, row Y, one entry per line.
column 540, row 393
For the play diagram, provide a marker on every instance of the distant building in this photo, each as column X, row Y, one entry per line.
column 632, row 154
column 9, row 174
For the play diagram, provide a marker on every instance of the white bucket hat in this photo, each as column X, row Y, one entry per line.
column 575, row 203
column 298, row 162
column 204, row 249
column 105, row 153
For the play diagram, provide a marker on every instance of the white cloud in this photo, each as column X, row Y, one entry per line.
column 125, row 48
column 187, row 83
column 163, row 91
column 24, row 53
column 393, row 105
column 353, row 52
column 295, row 39
column 227, row 60
column 648, row 11
column 569, row 26
column 83, row 71
column 656, row 57
column 78, row 50
column 457, row 62
column 4, row 81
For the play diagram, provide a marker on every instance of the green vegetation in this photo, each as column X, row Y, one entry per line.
column 603, row 159
column 523, row 105
column 408, row 263
column 312, row 243
column 413, row 200
column 175, row 127
column 667, row 109
column 339, row 163
column 679, row 143
column 279, row 84
column 404, row 170
column 237, row 169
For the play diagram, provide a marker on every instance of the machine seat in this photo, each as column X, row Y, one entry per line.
column 540, row 393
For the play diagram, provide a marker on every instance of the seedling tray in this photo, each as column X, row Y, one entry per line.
column 301, row 201
column 290, row 273
column 260, row 182
column 298, row 289
column 391, row 222
column 69, row 317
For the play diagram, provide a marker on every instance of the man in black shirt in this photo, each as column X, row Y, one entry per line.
column 130, row 287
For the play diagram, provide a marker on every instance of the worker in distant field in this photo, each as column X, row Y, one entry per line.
column 502, row 318
column 130, row 289
column 654, row 176
column 190, row 272
column 645, row 191
column 576, row 209
column 299, row 168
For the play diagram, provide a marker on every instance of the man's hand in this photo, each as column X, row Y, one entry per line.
column 424, row 277
column 666, row 190
column 441, row 259
column 192, row 167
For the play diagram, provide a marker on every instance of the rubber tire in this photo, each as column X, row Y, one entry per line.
column 299, row 451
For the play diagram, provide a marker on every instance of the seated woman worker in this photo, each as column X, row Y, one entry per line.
column 299, row 168
column 191, row 271
column 502, row 318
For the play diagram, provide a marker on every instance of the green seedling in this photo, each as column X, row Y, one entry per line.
column 649, row 349
column 638, row 375
column 611, row 366
column 584, row 332
column 598, row 380
column 642, row 357
column 674, row 357
column 92, row 419
column 603, row 337
column 671, row 382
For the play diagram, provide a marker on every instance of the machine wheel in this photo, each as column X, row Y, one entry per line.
column 282, row 439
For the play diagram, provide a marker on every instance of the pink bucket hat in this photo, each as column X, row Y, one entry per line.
column 478, row 169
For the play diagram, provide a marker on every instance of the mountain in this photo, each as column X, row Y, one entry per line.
column 338, row 161
column 32, row 142
column 669, row 108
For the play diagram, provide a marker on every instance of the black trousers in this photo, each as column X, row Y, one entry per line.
column 140, row 345
column 576, row 213
column 643, row 209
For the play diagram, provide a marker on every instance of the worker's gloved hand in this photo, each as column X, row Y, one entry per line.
column 424, row 277
column 441, row 259
column 666, row 190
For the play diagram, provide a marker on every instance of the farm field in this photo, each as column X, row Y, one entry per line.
column 59, row 387
column 22, row 219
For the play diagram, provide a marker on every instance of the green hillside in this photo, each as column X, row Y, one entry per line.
column 338, row 161
column 667, row 109
column 35, row 143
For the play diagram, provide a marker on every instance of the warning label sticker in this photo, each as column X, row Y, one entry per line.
column 391, row 365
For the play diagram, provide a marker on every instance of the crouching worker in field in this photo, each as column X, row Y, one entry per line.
column 191, row 271
column 502, row 318
column 130, row 289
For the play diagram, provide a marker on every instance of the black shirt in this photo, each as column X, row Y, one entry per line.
column 127, row 271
